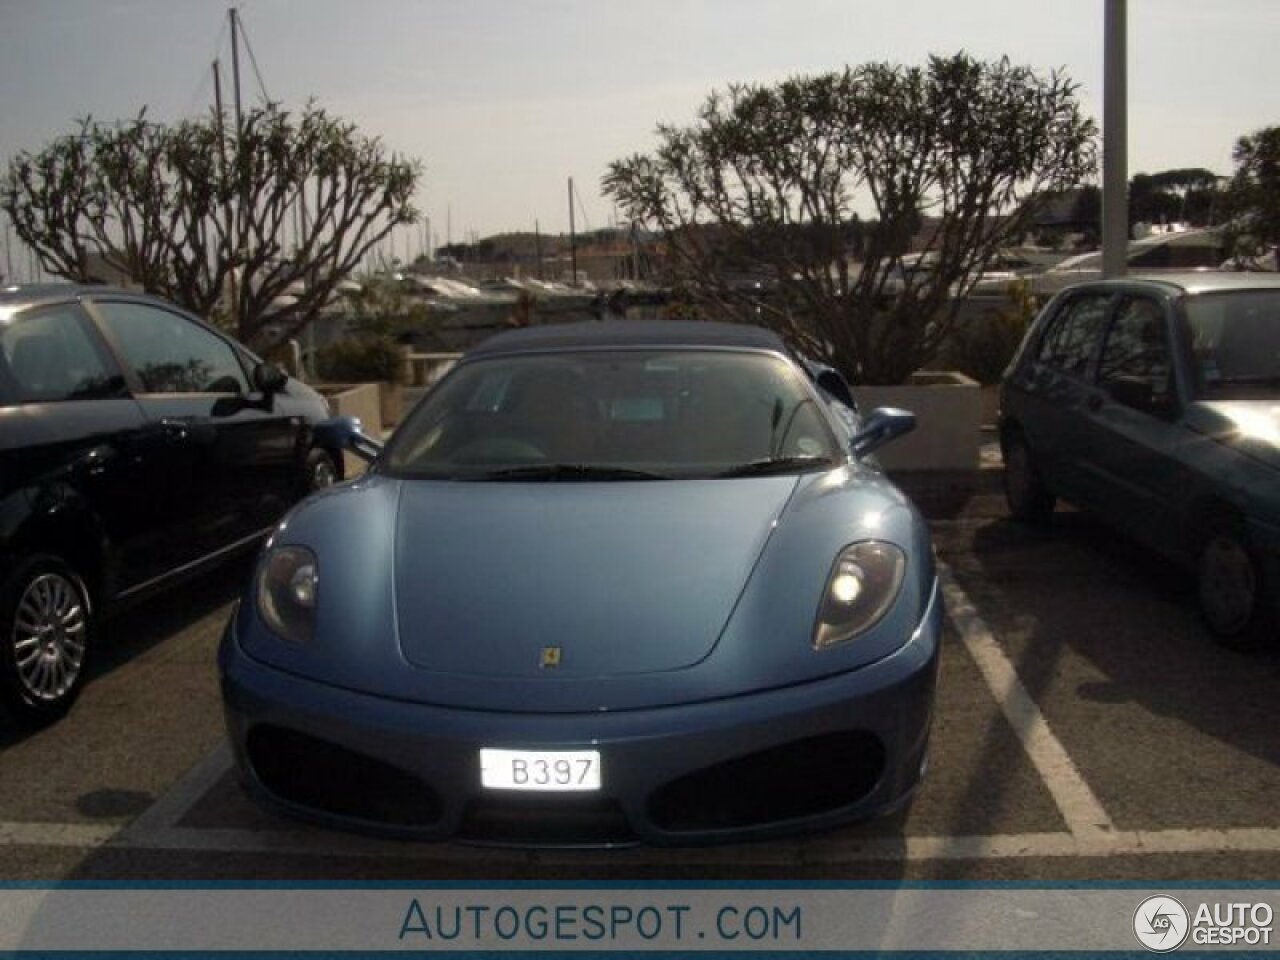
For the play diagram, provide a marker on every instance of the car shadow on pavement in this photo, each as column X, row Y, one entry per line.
column 1131, row 619
column 996, row 789
column 141, row 627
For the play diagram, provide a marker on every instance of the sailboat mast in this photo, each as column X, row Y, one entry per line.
column 537, row 245
column 234, row 14
column 573, row 238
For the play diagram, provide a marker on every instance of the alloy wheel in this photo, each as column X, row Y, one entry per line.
column 49, row 636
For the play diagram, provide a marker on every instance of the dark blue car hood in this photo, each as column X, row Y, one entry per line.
column 622, row 578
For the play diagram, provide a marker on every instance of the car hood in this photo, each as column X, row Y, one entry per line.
column 1250, row 426
column 656, row 593
column 574, row 580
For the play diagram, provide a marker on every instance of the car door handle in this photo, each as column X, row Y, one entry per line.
column 189, row 431
column 174, row 429
column 94, row 462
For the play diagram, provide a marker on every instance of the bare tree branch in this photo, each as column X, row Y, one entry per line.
column 153, row 201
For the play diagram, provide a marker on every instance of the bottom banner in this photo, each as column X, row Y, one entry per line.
column 724, row 920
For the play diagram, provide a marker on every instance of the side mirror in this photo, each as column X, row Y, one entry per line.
column 1138, row 393
column 269, row 379
column 346, row 433
column 882, row 425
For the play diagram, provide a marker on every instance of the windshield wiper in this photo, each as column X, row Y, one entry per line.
column 568, row 471
column 772, row 465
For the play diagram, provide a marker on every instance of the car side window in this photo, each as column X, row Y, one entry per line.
column 49, row 355
column 169, row 353
column 1069, row 339
column 1136, row 367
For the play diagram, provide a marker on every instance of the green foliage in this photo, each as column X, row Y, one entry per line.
column 769, row 175
column 382, row 308
column 983, row 346
column 198, row 213
column 378, row 315
column 360, row 359
column 1253, row 196
column 682, row 307
column 1184, row 195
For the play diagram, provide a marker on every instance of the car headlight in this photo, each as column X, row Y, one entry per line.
column 286, row 592
column 861, row 588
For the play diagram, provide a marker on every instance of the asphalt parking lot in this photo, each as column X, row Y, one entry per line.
column 1086, row 728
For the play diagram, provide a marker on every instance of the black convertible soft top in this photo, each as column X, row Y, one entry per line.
column 629, row 333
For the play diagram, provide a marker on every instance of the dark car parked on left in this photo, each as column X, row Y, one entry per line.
column 137, row 446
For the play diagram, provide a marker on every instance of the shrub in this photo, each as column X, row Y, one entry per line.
column 361, row 360
column 983, row 347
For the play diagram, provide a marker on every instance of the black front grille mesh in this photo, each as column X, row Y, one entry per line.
column 800, row 779
column 322, row 776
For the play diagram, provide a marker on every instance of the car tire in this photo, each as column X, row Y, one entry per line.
column 322, row 470
column 1232, row 588
column 46, row 623
column 1029, row 500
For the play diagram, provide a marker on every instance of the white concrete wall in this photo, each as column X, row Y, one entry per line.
column 948, row 409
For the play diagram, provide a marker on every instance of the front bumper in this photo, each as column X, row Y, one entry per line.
column 807, row 756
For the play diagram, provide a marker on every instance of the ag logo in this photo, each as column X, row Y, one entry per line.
column 1161, row 923
column 549, row 658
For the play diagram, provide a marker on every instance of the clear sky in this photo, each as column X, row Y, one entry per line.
column 505, row 99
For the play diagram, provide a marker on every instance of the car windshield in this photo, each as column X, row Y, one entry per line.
column 615, row 415
column 1235, row 340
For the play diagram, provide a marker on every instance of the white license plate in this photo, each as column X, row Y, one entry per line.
column 549, row 770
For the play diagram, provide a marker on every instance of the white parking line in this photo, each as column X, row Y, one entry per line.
column 1036, row 845
column 36, row 834
column 173, row 805
column 1080, row 808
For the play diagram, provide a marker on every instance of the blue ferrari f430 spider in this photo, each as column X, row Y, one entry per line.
column 607, row 583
